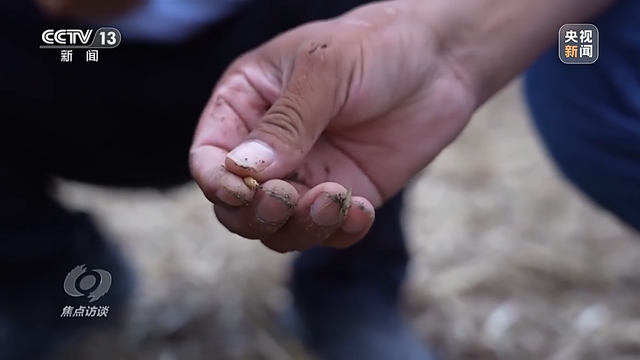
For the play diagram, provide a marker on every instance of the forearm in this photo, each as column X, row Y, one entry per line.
column 490, row 42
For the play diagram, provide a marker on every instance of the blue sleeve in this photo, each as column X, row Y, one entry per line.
column 589, row 115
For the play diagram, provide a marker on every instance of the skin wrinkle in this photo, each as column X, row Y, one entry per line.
column 325, row 78
column 411, row 101
column 289, row 127
column 294, row 105
column 234, row 89
column 267, row 90
column 339, row 94
column 356, row 70
column 360, row 68
column 327, row 49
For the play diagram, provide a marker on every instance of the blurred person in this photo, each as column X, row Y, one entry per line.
column 363, row 101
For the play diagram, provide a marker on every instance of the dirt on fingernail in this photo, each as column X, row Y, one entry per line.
column 238, row 195
column 361, row 206
column 285, row 199
column 345, row 202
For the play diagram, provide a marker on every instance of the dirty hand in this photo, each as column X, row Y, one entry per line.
column 332, row 119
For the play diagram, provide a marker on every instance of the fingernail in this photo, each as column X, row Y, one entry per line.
column 325, row 211
column 230, row 198
column 354, row 227
column 254, row 155
column 273, row 209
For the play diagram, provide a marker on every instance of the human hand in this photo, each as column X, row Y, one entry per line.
column 362, row 102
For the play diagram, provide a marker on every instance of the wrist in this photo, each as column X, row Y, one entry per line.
column 487, row 43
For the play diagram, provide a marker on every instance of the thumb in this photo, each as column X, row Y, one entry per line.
column 315, row 84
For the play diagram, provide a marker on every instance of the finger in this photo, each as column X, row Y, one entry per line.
column 356, row 225
column 315, row 86
column 320, row 212
column 217, row 184
column 273, row 204
column 222, row 126
column 239, row 100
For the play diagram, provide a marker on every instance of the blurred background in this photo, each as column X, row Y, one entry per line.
column 509, row 262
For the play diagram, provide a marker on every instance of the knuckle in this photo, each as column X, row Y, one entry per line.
column 285, row 121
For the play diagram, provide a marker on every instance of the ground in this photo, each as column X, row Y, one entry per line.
column 509, row 262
